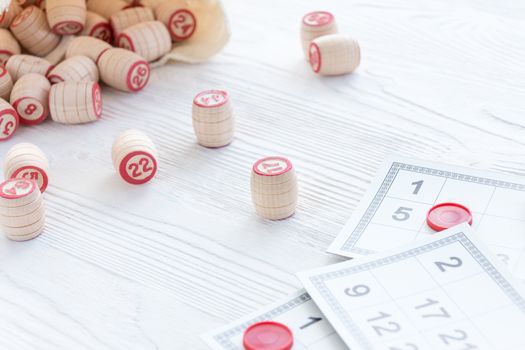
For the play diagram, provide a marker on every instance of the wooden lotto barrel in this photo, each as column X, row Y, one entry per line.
column 106, row 8
column 9, row 120
column 22, row 211
column 123, row 70
column 6, row 83
column 20, row 65
column 334, row 54
column 135, row 157
column 75, row 102
column 30, row 98
column 180, row 20
column 9, row 14
column 274, row 187
column 129, row 17
column 32, row 31
column 150, row 40
column 27, row 161
column 66, row 17
column 87, row 46
column 97, row 27
column 213, row 119
column 9, row 46
column 314, row 25
column 76, row 68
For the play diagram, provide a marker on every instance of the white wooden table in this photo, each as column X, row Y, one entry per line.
column 154, row 266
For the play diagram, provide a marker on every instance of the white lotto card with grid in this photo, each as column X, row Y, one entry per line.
column 447, row 291
column 311, row 331
column 393, row 212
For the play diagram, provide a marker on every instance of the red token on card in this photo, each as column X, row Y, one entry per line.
column 445, row 215
column 268, row 335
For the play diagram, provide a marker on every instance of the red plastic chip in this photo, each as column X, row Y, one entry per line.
column 445, row 215
column 268, row 335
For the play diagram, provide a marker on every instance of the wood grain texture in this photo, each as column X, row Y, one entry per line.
column 154, row 266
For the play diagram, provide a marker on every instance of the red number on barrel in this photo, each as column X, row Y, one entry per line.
column 134, row 167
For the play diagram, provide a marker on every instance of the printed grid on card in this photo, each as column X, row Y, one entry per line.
column 298, row 312
column 393, row 213
column 447, row 293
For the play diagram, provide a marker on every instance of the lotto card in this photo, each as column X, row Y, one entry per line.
column 298, row 312
column 393, row 213
column 444, row 292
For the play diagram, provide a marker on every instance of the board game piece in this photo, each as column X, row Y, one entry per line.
column 87, row 46
column 135, row 157
column 314, row 25
column 124, row 70
column 8, row 120
column 334, row 54
column 268, row 335
column 22, row 213
column 274, row 188
column 27, row 161
column 59, row 53
column 393, row 212
column 445, row 215
column 9, row 14
column 213, row 118
column 6, row 83
column 75, row 102
column 66, row 17
column 21, row 210
column 8, row 46
column 106, row 8
column 178, row 18
column 20, row 65
column 30, row 98
column 446, row 291
column 76, row 68
column 29, row 222
column 97, row 27
column 24, row 233
column 150, row 40
column 129, row 17
column 311, row 330
column 32, row 31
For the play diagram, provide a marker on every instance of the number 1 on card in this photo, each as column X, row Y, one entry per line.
column 418, row 185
